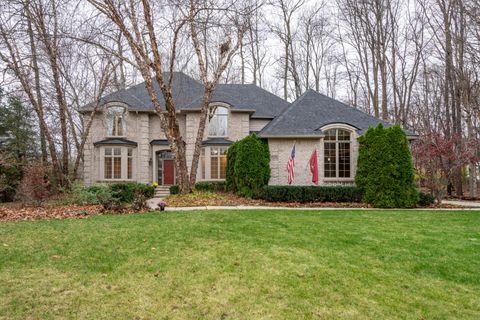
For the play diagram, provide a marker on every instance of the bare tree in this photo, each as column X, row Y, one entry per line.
column 369, row 24
column 136, row 22
column 23, row 63
column 285, row 33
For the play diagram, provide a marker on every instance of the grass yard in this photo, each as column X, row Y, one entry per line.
column 244, row 265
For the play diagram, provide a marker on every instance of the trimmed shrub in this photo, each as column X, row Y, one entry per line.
column 109, row 200
column 96, row 188
column 174, row 189
column 249, row 166
column 310, row 194
column 385, row 168
column 211, row 186
column 425, row 199
column 117, row 192
column 89, row 195
column 146, row 190
column 125, row 191
column 231, row 158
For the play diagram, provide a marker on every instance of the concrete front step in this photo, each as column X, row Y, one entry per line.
column 162, row 191
column 162, row 194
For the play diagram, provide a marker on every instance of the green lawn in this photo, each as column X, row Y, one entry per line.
column 244, row 265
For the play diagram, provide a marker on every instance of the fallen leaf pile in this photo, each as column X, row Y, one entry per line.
column 201, row 199
column 16, row 212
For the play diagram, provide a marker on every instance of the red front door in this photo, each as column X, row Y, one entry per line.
column 168, row 172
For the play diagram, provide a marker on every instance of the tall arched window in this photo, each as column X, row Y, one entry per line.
column 115, row 118
column 337, row 153
column 218, row 122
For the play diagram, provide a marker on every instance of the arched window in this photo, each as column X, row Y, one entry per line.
column 115, row 118
column 218, row 122
column 337, row 153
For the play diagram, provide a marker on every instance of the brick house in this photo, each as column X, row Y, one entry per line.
column 126, row 142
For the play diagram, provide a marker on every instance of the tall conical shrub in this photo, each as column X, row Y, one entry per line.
column 385, row 168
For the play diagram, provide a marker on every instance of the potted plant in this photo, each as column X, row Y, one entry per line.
column 162, row 204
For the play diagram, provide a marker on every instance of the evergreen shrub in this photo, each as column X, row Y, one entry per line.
column 211, row 186
column 385, row 168
column 310, row 194
column 248, row 166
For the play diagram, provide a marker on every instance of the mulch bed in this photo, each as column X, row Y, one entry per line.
column 17, row 212
column 202, row 199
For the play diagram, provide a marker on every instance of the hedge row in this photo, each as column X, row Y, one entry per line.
column 210, row 186
column 310, row 194
column 175, row 189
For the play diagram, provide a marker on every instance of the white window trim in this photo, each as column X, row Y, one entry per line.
column 208, row 165
column 352, row 130
column 124, row 163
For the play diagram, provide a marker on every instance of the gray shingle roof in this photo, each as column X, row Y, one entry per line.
column 187, row 94
column 313, row 110
column 246, row 97
column 184, row 91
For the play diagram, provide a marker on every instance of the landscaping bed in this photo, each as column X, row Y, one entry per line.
column 17, row 212
column 202, row 199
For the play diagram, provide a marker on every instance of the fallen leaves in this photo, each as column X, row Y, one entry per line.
column 203, row 199
column 17, row 212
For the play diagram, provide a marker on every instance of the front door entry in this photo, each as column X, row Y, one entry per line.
column 168, row 172
column 165, row 168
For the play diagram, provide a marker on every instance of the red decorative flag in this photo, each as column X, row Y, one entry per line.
column 291, row 166
column 314, row 167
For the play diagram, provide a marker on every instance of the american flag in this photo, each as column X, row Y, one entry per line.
column 291, row 166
